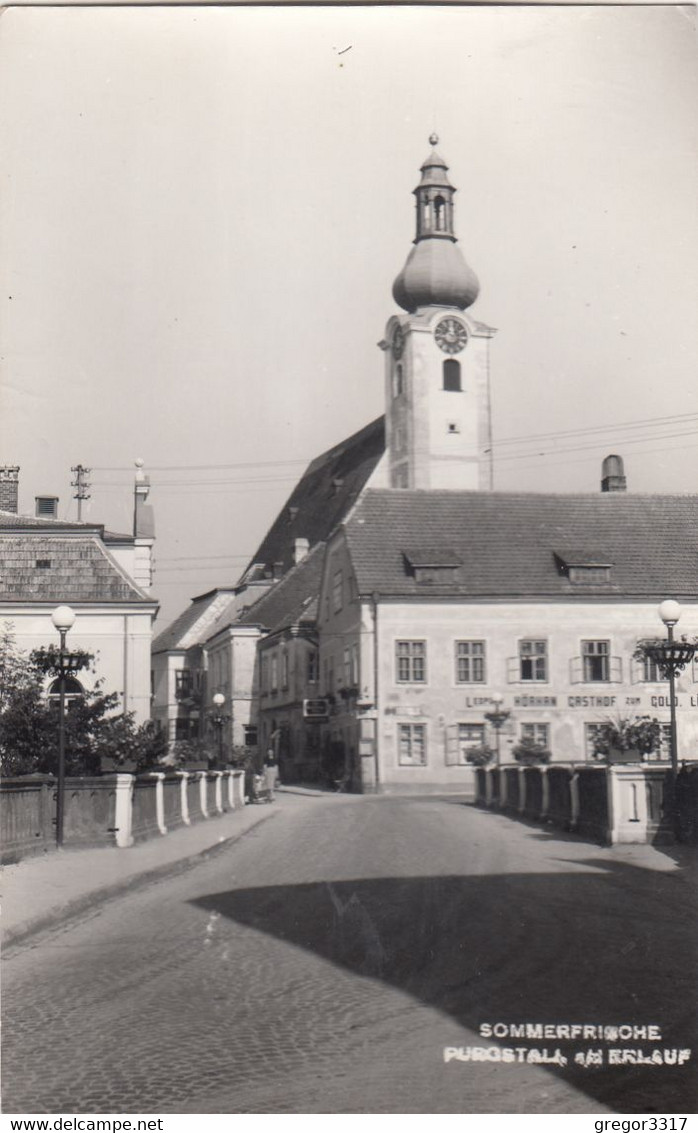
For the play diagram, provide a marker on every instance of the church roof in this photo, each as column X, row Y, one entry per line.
column 509, row 543
column 323, row 495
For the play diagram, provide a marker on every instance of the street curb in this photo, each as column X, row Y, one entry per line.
column 80, row 905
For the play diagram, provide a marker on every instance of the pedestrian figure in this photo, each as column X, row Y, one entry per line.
column 270, row 771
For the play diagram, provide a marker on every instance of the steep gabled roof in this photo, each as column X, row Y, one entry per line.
column 507, row 543
column 61, row 567
column 193, row 625
column 292, row 599
column 323, row 495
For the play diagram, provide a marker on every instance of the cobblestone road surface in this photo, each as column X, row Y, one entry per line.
column 324, row 962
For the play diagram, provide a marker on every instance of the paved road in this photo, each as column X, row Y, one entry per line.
column 324, row 962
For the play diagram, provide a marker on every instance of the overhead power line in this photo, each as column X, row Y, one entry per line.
column 524, row 438
column 582, row 448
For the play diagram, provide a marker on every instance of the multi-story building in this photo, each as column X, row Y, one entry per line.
column 538, row 599
column 103, row 576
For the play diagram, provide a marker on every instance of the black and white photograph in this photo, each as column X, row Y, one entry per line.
column 349, row 561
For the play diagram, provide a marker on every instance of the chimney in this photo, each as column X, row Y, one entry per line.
column 46, row 507
column 9, row 487
column 277, row 571
column 143, row 530
column 612, row 474
column 300, row 549
column 143, row 523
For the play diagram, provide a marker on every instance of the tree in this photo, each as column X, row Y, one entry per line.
column 94, row 728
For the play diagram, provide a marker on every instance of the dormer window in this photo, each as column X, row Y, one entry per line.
column 584, row 568
column 433, row 566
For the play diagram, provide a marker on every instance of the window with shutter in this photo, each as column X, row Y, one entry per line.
column 616, row 670
column 533, row 660
column 452, row 750
column 469, row 736
column 596, row 660
column 412, row 749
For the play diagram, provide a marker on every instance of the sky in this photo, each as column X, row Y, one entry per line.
column 203, row 210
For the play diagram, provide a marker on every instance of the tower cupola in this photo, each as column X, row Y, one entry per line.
column 435, row 274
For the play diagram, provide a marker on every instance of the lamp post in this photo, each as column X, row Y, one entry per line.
column 671, row 657
column 63, row 619
column 498, row 718
column 218, row 718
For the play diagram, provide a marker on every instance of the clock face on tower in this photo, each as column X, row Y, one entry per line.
column 451, row 336
column 398, row 342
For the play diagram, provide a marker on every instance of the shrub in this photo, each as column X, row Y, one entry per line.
column 629, row 732
column 528, row 751
column 94, row 727
column 479, row 755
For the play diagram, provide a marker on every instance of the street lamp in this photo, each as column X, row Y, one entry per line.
column 218, row 719
column 671, row 657
column 498, row 718
column 63, row 619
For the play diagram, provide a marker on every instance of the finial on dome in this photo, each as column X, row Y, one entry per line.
column 435, row 274
column 433, row 139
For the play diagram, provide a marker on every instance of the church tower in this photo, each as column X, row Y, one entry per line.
column 438, row 432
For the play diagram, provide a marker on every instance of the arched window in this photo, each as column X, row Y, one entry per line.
column 452, row 374
column 73, row 690
column 439, row 212
column 398, row 383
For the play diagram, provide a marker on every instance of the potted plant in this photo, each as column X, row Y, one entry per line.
column 528, row 752
column 628, row 738
column 479, row 755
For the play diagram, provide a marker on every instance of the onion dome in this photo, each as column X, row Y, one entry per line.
column 435, row 273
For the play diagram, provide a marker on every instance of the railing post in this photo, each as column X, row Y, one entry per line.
column 123, row 810
column 545, row 794
column 159, row 777
column 203, row 792
column 219, row 790
column 239, row 788
column 184, row 801
column 574, row 800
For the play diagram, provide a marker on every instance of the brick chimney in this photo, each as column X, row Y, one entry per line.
column 612, row 474
column 9, row 487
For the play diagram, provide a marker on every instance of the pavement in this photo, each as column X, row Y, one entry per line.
column 43, row 891
column 325, row 961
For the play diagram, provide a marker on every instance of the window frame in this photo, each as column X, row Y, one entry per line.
column 470, row 659
column 590, row 658
column 463, row 745
column 407, row 730
column 533, row 659
column 533, row 730
column 411, row 657
column 451, row 376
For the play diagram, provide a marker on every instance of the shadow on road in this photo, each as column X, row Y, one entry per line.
column 606, row 944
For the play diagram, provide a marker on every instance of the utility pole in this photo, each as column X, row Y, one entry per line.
column 81, row 485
